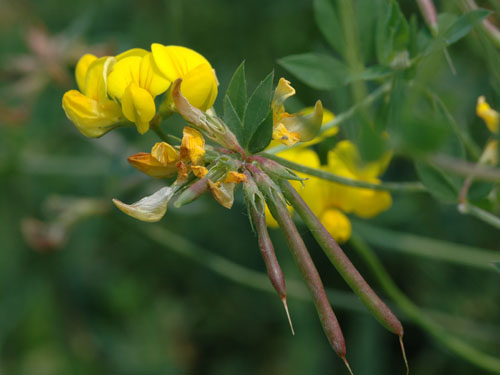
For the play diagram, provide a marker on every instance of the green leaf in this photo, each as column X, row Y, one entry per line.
column 455, row 28
column 262, row 137
column 258, row 108
column 237, row 91
column 392, row 35
column 437, row 182
column 464, row 25
column 318, row 71
column 232, row 120
column 328, row 22
column 479, row 190
column 370, row 74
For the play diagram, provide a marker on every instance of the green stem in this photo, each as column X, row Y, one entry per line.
column 479, row 213
column 410, row 244
column 464, row 350
column 341, row 262
column 397, row 187
column 344, row 116
column 464, row 168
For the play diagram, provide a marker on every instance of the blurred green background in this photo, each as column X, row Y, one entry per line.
column 100, row 295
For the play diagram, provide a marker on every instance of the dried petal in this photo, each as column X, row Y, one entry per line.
column 151, row 208
column 222, row 192
column 193, row 145
column 235, row 177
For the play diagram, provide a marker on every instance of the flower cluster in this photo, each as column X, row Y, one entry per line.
column 120, row 90
column 125, row 89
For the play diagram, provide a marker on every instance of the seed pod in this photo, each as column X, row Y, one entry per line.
column 341, row 262
column 256, row 207
column 304, row 262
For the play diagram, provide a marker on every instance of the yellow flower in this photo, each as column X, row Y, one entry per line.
column 136, row 81
column 329, row 200
column 489, row 115
column 90, row 109
column 292, row 128
column 199, row 83
column 160, row 163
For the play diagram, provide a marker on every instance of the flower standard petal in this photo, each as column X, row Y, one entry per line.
column 199, row 86
column 176, row 61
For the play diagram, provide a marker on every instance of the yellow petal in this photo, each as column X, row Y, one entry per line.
column 124, row 73
column 346, row 155
column 93, row 119
column 140, row 52
column 235, row 177
column 193, row 145
column 149, row 165
column 81, row 70
column 307, row 126
column 138, row 68
column 199, row 171
column 165, row 153
column 95, row 83
column 337, row 224
column 490, row 116
column 283, row 91
column 138, row 106
column 176, row 62
column 283, row 135
column 371, row 202
column 151, row 208
column 199, row 87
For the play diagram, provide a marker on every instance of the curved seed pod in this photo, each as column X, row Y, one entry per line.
column 304, row 262
column 341, row 262
column 255, row 202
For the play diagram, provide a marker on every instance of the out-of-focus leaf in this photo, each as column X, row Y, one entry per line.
column 318, row 71
column 370, row 74
column 258, row 108
column 329, row 23
column 464, row 25
column 237, row 91
column 392, row 35
column 262, row 136
column 479, row 190
column 367, row 14
column 457, row 29
column 438, row 183
column 232, row 120
column 497, row 266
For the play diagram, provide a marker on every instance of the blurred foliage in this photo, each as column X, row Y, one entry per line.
column 87, row 291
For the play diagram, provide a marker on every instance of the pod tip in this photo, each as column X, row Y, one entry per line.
column 283, row 299
column 404, row 354
column 347, row 365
